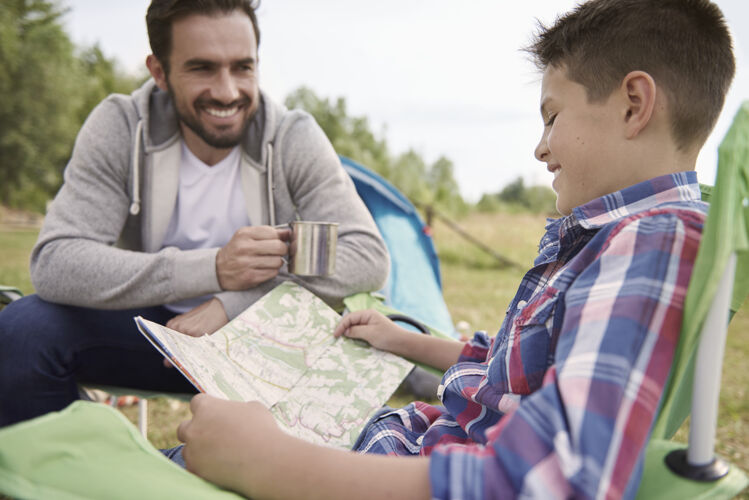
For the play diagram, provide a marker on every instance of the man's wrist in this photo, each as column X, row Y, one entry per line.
column 219, row 266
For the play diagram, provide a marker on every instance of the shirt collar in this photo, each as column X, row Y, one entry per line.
column 564, row 231
column 669, row 188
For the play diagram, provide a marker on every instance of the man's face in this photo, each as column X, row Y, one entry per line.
column 212, row 79
column 580, row 143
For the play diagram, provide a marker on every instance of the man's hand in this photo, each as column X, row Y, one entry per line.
column 206, row 318
column 252, row 256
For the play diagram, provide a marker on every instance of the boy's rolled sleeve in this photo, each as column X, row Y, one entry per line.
column 477, row 349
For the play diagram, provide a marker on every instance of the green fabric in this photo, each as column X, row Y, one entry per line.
column 726, row 230
column 660, row 483
column 91, row 451
column 363, row 300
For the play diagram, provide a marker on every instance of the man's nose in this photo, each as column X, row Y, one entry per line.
column 225, row 89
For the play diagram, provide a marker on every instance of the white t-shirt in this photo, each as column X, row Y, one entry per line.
column 210, row 208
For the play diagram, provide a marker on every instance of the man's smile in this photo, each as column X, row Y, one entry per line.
column 222, row 113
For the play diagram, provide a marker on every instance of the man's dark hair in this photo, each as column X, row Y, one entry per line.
column 162, row 14
column 683, row 44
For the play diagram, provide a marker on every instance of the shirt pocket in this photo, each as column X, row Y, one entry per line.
column 520, row 364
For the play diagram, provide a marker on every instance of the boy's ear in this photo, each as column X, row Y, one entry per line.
column 157, row 71
column 639, row 91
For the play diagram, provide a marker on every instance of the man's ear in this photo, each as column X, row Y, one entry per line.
column 639, row 91
column 157, row 71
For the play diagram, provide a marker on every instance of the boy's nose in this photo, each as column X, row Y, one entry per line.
column 541, row 152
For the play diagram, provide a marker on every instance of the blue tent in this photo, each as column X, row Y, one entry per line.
column 414, row 286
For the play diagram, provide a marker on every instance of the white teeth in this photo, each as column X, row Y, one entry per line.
column 222, row 113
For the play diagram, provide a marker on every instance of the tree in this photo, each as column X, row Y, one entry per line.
column 98, row 78
column 352, row 136
column 47, row 88
column 514, row 192
column 536, row 199
column 37, row 100
column 444, row 187
column 409, row 174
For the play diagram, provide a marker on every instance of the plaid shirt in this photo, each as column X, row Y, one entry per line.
column 561, row 401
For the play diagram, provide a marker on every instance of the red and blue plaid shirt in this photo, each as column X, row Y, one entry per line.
column 561, row 401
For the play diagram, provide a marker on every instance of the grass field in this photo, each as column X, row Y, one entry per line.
column 477, row 292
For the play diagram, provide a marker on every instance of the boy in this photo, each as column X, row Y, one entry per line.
column 560, row 403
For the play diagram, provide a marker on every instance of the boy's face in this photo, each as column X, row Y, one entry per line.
column 580, row 143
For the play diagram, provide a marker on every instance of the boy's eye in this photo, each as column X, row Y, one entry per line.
column 550, row 121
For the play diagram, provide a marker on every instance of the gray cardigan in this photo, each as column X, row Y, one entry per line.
column 100, row 245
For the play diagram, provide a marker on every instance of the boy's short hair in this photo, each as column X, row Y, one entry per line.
column 683, row 44
column 162, row 14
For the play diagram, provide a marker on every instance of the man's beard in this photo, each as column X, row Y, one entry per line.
column 214, row 140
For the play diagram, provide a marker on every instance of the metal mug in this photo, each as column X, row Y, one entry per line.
column 312, row 248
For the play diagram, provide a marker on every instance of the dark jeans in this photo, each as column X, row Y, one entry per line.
column 47, row 349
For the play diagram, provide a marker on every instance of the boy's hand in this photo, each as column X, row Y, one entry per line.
column 372, row 327
column 228, row 442
column 385, row 335
column 252, row 256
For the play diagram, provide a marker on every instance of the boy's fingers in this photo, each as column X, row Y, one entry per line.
column 351, row 319
column 182, row 430
column 197, row 401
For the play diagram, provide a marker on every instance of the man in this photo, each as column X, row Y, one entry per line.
column 168, row 211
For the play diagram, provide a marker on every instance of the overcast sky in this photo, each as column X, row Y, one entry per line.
column 441, row 77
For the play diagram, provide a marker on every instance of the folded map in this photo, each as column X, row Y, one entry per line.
column 281, row 352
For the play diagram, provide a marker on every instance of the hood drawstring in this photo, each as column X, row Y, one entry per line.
column 269, row 177
column 135, row 205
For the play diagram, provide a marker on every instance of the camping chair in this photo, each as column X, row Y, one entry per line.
column 718, row 286
column 8, row 294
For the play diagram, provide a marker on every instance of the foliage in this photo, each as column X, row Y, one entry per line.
column 516, row 197
column 35, row 105
column 352, row 136
column 46, row 91
column 49, row 86
column 444, row 188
